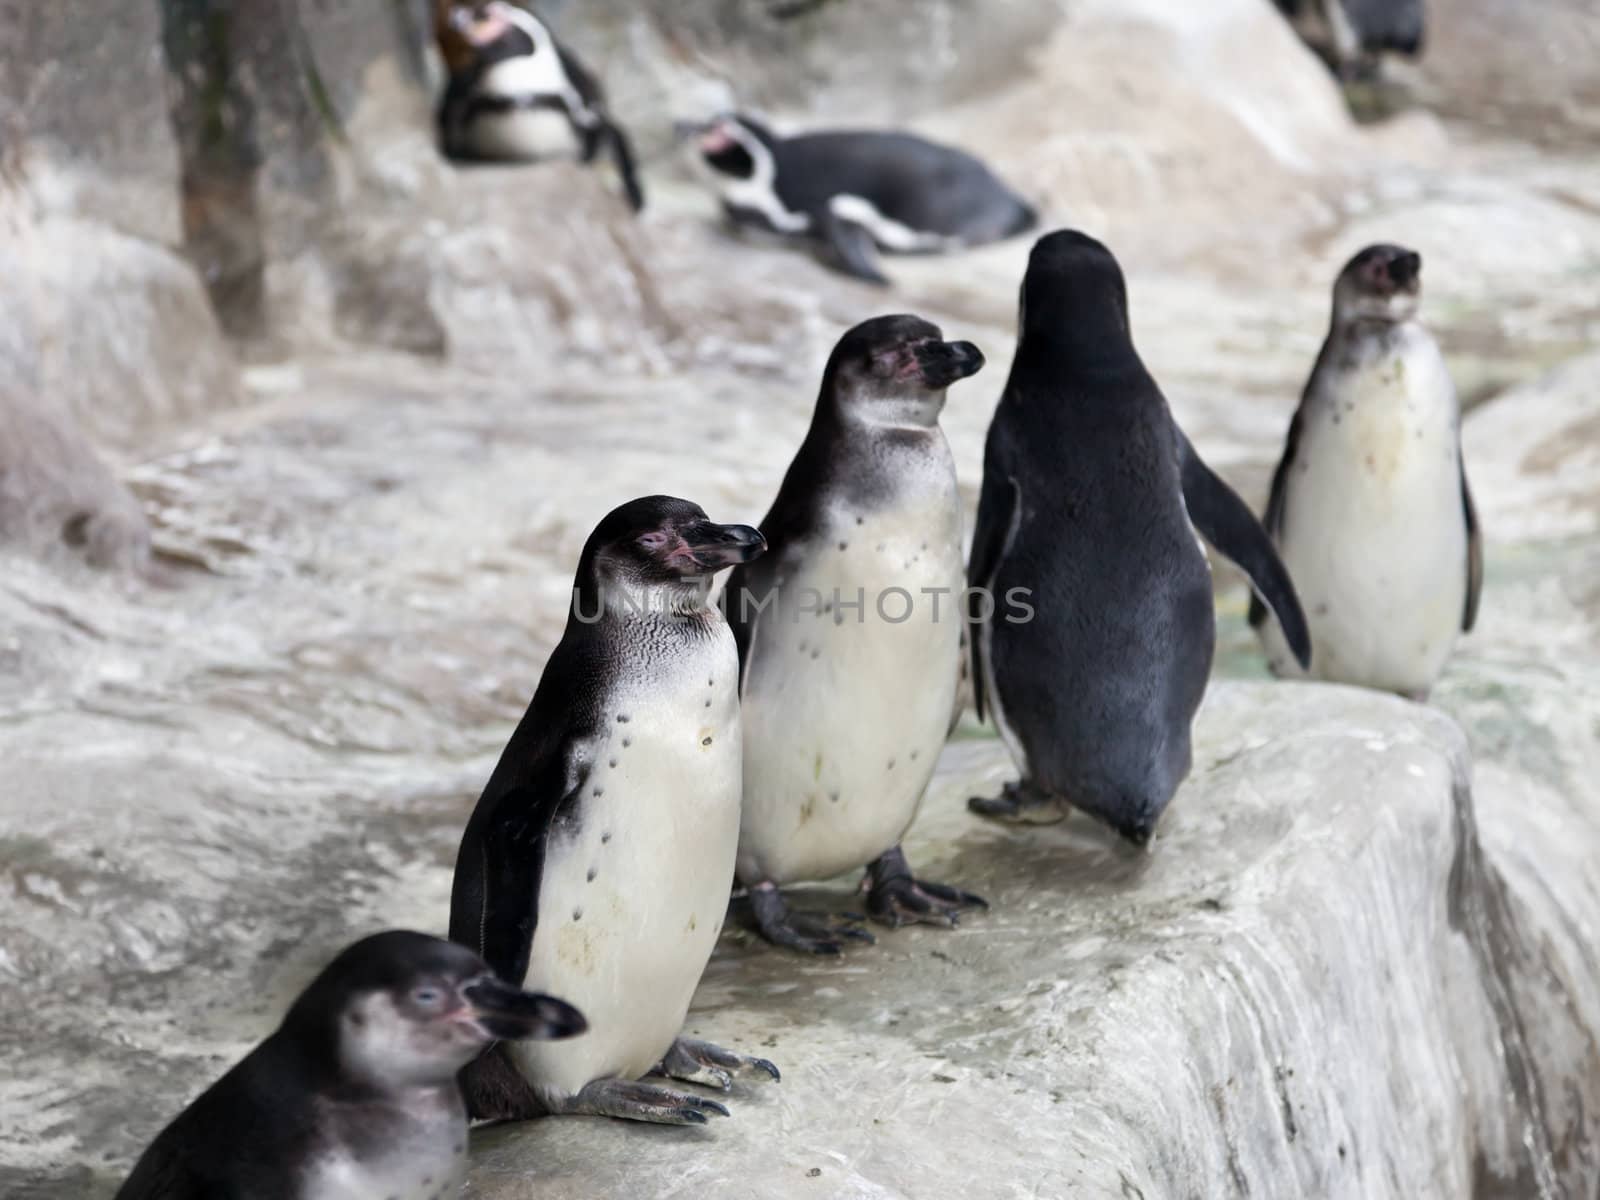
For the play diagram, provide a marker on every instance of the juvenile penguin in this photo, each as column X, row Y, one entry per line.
column 859, row 191
column 1370, row 506
column 1093, row 646
column 600, row 856
column 849, row 635
column 517, row 94
column 355, row 1095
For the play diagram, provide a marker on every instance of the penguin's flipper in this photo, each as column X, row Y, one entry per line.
column 1228, row 524
column 999, row 510
column 503, row 856
column 1272, row 519
column 1469, row 616
column 622, row 155
column 851, row 247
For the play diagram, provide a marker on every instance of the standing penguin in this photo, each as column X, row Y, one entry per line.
column 600, row 856
column 858, row 191
column 516, row 94
column 1095, row 645
column 355, row 1095
column 1370, row 506
column 849, row 636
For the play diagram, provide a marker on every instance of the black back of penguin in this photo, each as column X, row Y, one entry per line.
column 1082, row 506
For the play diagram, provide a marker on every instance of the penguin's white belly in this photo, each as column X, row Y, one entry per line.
column 523, row 135
column 630, row 905
column 1374, row 533
column 427, row 1160
column 846, row 709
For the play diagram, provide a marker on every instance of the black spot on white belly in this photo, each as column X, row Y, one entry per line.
column 891, row 764
column 590, row 876
column 705, row 741
column 604, row 838
column 613, row 762
column 626, row 742
column 622, row 718
column 577, row 914
column 844, row 545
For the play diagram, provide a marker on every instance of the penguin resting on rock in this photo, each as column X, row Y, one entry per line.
column 517, row 94
column 355, row 1095
column 856, row 192
column 600, row 856
column 1094, row 648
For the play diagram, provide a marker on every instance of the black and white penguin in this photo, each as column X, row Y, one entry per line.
column 858, row 191
column 600, row 856
column 516, row 94
column 1370, row 507
column 849, row 634
column 355, row 1095
column 1353, row 34
column 1094, row 646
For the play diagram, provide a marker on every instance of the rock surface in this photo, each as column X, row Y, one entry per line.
column 1360, row 959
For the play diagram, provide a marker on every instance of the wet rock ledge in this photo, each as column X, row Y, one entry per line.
column 1313, row 985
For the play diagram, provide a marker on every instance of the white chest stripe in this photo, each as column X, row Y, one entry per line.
column 887, row 232
column 759, row 193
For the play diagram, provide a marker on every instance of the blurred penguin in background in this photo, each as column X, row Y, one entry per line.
column 1352, row 35
column 515, row 94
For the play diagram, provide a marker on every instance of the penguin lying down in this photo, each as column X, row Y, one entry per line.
column 859, row 191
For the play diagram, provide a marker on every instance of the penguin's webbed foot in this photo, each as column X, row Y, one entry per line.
column 1021, row 803
column 807, row 932
column 694, row 1061
column 896, row 898
column 635, row 1100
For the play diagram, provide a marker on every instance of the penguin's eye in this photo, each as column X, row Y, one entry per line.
column 653, row 541
column 427, row 997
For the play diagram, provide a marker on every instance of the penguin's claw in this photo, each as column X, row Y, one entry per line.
column 1020, row 803
column 631, row 1100
column 808, row 933
column 694, row 1061
column 896, row 898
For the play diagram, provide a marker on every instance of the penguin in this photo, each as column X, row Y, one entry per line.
column 1092, row 613
column 849, row 635
column 859, row 191
column 355, row 1094
column 599, row 858
column 1353, row 34
column 1370, row 506
column 517, row 94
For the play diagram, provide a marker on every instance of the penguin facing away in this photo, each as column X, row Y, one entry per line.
column 1090, row 506
column 1370, row 506
column 850, row 664
column 600, row 856
column 515, row 93
column 859, row 191
column 355, row 1094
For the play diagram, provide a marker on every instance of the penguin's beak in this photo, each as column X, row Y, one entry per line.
column 943, row 363
column 1405, row 270
column 509, row 1013
column 712, row 547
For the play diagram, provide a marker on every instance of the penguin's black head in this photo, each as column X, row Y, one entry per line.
column 1074, row 296
column 895, row 370
column 1381, row 283
column 734, row 145
column 403, row 1009
column 660, row 541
